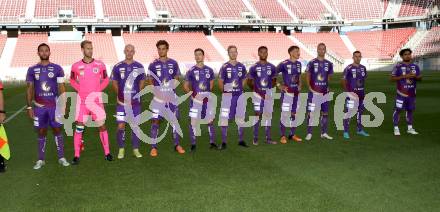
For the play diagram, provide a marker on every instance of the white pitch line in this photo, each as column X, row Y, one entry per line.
column 15, row 114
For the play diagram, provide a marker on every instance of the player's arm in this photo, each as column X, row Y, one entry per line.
column 73, row 82
column 220, row 80
column 115, row 87
column 29, row 98
column 105, row 79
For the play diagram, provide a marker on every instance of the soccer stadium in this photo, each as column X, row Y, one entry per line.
column 337, row 169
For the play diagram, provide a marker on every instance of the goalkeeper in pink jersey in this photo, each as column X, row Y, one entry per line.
column 89, row 78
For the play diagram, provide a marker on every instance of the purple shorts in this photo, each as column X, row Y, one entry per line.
column 44, row 117
column 314, row 100
column 162, row 110
column 121, row 113
column 229, row 111
column 405, row 103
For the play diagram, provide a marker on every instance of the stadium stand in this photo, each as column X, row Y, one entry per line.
column 183, row 9
column 49, row 8
column 12, row 10
column 271, row 11
column 430, row 45
column 128, row 10
column 309, row 10
column 63, row 53
column 182, row 45
column 248, row 43
column 103, row 47
column 226, row 9
column 331, row 39
column 380, row 44
column 358, row 9
column 414, row 7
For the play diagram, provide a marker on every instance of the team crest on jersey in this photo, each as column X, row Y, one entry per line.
column 240, row 74
column 50, row 74
column 45, row 87
column 170, row 71
column 95, row 70
column 208, row 75
column 159, row 73
column 37, row 76
column 258, row 73
column 363, row 73
column 326, row 69
column 135, row 74
column 269, row 72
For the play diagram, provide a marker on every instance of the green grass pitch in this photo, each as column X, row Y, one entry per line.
column 379, row 173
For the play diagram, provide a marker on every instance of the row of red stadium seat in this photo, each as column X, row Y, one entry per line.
column 185, row 9
column 430, row 45
column 380, row 44
column 272, row 10
column 49, row 8
column 374, row 44
column 120, row 10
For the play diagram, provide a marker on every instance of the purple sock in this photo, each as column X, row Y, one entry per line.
column 211, row 131
column 240, row 133
column 120, row 137
column 409, row 117
column 256, row 127
column 176, row 137
column 396, row 117
column 268, row 135
column 282, row 129
column 359, row 121
column 346, row 123
column 154, row 131
column 224, row 134
column 41, row 148
column 308, row 122
column 292, row 129
column 324, row 124
column 192, row 135
column 135, row 141
column 59, row 141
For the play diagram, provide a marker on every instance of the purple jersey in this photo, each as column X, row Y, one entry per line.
column 319, row 73
column 45, row 80
column 163, row 72
column 406, row 87
column 123, row 71
column 355, row 78
column 200, row 79
column 233, row 75
column 262, row 75
column 291, row 73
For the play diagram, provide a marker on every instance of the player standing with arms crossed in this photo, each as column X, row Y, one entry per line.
column 89, row 78
column 290, row 87
column 128, row 78
column 45, row 81
column 405, row 74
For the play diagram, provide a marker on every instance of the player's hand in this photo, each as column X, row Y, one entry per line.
column 2, row 117
column 409, row 76
column 30, row 113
